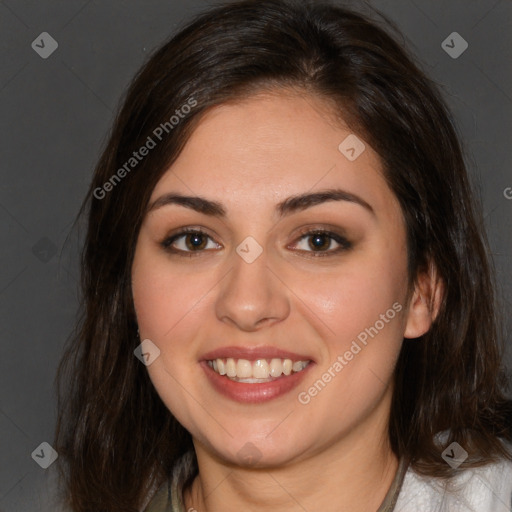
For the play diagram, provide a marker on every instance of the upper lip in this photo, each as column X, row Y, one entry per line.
column 254, row 353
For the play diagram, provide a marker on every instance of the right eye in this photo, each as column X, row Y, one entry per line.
column 189, row 241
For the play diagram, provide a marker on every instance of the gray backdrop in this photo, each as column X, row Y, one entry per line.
column 56, row 109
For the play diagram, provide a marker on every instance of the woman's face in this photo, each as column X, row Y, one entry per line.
column 301, row 258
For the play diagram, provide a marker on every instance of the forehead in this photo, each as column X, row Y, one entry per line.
column 270, row 146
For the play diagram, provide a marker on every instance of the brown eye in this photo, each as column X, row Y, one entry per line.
column 322, row 243
column 195, row 241
column 189, row 241
column 319, row 241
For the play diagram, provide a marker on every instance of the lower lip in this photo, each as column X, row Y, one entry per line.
column 254, row 393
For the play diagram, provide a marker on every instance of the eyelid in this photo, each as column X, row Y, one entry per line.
column 191, row 229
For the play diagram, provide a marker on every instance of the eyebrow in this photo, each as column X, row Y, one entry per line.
column 287, row 207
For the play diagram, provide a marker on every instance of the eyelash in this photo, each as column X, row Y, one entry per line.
column 342, row 241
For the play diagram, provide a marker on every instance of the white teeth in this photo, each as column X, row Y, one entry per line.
column 230, row 367
column 297, row 367
column 260, row 370
column 243, row 369
column 276, row 367
column 221, row 367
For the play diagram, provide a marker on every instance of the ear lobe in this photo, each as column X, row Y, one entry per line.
column 425, row 303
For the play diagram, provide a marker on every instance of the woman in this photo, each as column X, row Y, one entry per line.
column 288, row 303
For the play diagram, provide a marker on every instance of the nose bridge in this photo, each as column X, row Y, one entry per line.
column 251, row 294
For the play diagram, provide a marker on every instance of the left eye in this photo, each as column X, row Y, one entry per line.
column 322, row 241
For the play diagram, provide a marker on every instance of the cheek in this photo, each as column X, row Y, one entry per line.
column 360, row 312
column 167, row 306
column 353, row 299
column 163, row 301
column 360, row 315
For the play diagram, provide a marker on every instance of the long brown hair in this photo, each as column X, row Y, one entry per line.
column 114, row 435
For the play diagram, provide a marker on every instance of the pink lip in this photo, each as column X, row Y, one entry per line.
column 254, row 393
column 254, row 353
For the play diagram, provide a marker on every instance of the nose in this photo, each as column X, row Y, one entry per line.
column 252, row 296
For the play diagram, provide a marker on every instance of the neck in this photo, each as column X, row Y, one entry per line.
column 353, row 474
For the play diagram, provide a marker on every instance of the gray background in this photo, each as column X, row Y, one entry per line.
column 55, row 113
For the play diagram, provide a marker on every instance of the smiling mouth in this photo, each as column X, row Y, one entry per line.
column 257, row 371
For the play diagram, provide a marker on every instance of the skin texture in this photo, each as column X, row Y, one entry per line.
column 331, row 454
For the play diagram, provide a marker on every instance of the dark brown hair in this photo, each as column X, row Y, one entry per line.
column 114, row 435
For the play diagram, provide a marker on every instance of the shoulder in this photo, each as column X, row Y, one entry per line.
column 159, row 499
column 484, row 489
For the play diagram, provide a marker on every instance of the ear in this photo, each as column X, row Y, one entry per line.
column 425, row 302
